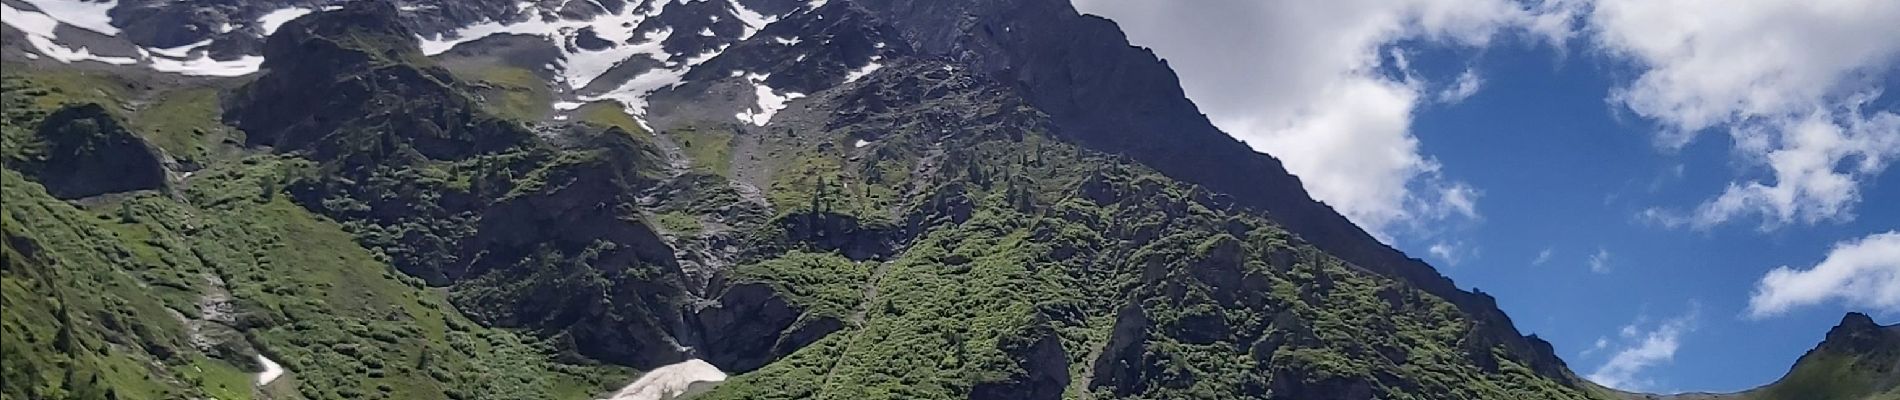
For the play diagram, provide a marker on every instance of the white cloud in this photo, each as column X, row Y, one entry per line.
column 1862, row 272
column 1600, row 261
column 1452, row 253
column 1312, row 82
column 1790, row 81
column 1602, row 343
column 1466, row 85
column 1543, row 256
column 1641, row 348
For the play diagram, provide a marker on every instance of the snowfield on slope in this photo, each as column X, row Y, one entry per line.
column 672, row 381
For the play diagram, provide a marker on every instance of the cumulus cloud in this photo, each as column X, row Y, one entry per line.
column 1313, row 83
column 1640, row 347
column 1862, row 272
column 1790, row 81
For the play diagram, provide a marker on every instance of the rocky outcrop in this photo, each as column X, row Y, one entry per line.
column 751, row 325
column 89, row 152
column 1044, row 368
column 352, row 82
column 854, row 238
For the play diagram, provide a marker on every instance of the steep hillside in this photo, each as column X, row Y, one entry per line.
column 848, row 199
column 186, row 289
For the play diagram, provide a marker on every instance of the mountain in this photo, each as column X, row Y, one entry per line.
column 980, row 199
column 1857, row 361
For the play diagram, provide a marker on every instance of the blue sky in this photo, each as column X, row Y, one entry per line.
column 1623, row 175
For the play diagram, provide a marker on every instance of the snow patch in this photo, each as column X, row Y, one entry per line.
column 28, row 22
column 271, row 371
column 203, row 65
column 752, row 19
column 38, row 29
column 181, row 51
column 670, row 381
column 92, row 16
column 276, row 19
column 567, row 105
column 770, row 101
column 793, row 41
column 861, row 143
column 861, row 72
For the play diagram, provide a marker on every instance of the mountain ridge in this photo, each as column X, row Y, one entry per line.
column 960, row 185
column 1867, row 349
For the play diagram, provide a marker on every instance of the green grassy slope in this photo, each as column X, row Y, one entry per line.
column 101, row 299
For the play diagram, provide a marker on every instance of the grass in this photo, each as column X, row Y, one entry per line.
column 1822, row 376
column 511, row 92
column 609, row 114
column 824, row 284
column 679, row 223
column 185, row 123
column 710, row 149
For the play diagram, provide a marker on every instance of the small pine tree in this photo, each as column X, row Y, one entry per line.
column 125, row 212
column 268, row 186
column 65, row 340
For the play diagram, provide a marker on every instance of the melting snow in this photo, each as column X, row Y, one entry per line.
column 770, row 101
column 276, row 19
column 861, row 143
column 203, row 65
column 38, row 29
column 83, row 14
column 271, row 371
column 752, row 19
column 181, row 51
column 861, row 72
column 567, row 105
column 31, row 23
column 787, row 41
column 670, row 381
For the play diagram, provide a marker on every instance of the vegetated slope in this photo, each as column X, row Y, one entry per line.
column 919, row 230
column 1859, row 360
column 174, row 289
column 861, row 199
column 155, row 297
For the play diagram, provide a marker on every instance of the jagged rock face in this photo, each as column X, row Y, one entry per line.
column 89, row 152
column 1858, row 334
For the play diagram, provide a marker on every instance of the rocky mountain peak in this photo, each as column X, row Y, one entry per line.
column 1858, row 333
